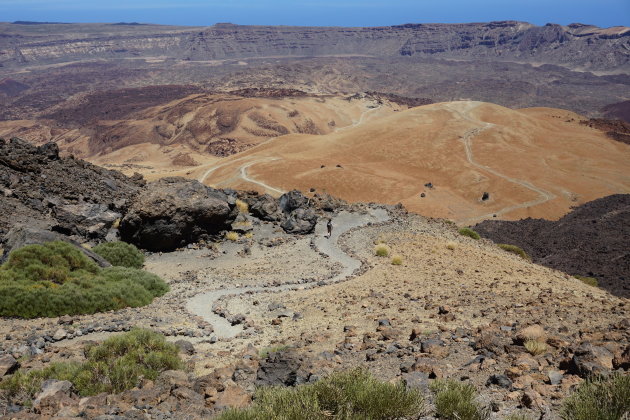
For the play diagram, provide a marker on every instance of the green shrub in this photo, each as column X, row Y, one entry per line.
column 54, row 262
column 115, row 365
column 591, row 281
column 57, row 279
column 457, row 401
column 348, row 395
column 599, row 398
column 515, row 250
column 120, row 254
column 469, row 232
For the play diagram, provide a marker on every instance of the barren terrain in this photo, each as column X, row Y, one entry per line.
column 532, row 162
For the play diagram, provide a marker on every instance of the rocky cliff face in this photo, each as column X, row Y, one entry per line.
column 577, row 46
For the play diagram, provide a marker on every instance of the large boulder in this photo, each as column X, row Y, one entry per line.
column 301, row 221
column 173, row 212
column 293, row 200
column 21, row 236
column 265, row 207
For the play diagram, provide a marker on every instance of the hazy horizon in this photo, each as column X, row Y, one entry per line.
column 605, row 13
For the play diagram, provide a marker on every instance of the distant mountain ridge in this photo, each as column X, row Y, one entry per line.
column 576, row 46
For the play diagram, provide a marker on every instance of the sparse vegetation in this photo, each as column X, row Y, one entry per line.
column 591, row 281
column 273, row 349
column 599, row 398
column 515, row 250
column 57, row 279
column 397, row 260
column 535, row 347
column 518, row 416
column 469, row 232
column 120, row 254
column 382, row 250
column 457, row 401
column 348, row 395
column 451, row 245
column 114, row 366
column 242, row 206
column 231, row 236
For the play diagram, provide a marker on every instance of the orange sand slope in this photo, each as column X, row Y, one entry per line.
column 533, row 162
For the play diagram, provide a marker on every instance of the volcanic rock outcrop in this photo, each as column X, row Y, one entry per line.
column 592, row 241
column 173, row 212
column 293, row 209
column 40, row 189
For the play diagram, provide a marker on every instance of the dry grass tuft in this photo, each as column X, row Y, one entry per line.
column 397, row 260
column 242, row 206
column 382, row 250
column 451, row 245
column 231, row 236
column 535, row 347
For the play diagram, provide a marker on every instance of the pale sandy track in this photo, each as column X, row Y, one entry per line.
column 245, row 177
column 202, row 304
column 467, row 141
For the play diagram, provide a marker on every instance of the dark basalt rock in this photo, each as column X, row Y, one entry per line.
column 173, row 212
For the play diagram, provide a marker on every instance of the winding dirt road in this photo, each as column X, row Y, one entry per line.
column 463, row 109
column 202, row 304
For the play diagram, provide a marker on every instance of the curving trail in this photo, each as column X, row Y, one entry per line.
column 245, row 177
column 467, row 140
column 202, row 304
column 243, row 169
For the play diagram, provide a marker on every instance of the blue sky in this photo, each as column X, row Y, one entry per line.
column 318, row 12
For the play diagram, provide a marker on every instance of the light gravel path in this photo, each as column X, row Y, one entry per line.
column 202, row 304
column 462, row 109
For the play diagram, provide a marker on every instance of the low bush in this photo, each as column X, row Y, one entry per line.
column 349, row 395
column 397, row 260
column 231, row 236
column 599, row 398
column 120, row 254
column 451, row 245
column 515, row 250
column 591, row 281
column 457, row 401
column 57, row 279
column 381, row 250
column 114, row 366
column 469, row 232
column 273, row 349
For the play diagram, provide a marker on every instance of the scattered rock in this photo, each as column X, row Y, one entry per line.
column 8, row 364
column 592, row 360
column 185, row 347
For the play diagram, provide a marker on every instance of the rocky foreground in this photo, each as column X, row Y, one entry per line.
column 454, row 308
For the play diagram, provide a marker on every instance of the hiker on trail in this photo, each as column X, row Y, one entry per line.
column 329, row 226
